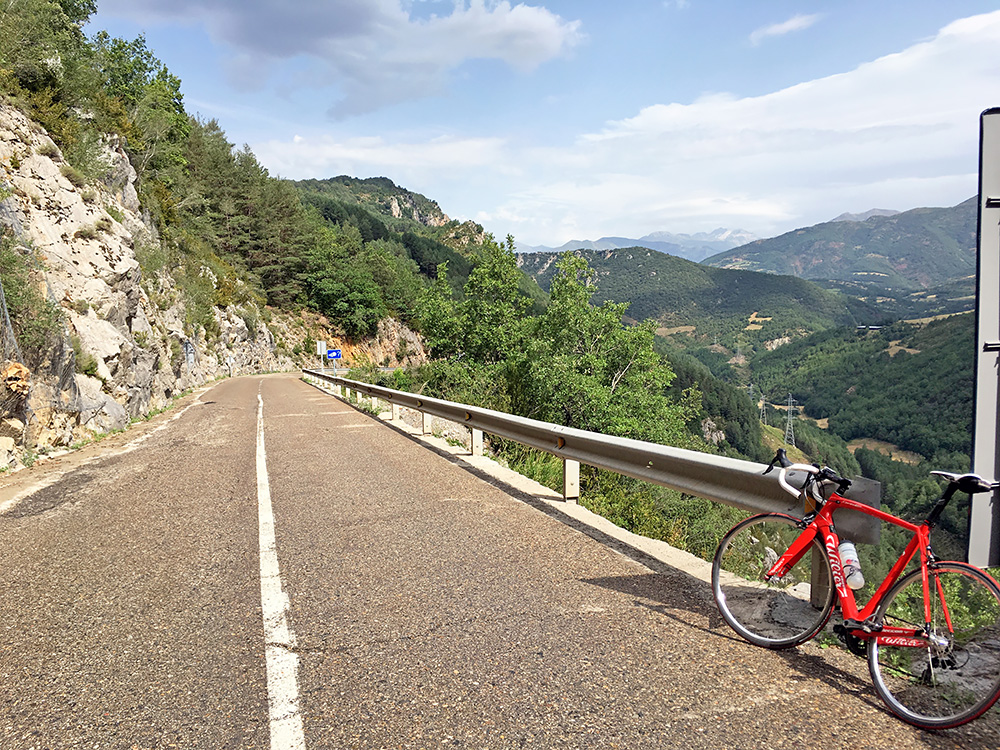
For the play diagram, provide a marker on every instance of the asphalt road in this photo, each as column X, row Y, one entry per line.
column 430, row 608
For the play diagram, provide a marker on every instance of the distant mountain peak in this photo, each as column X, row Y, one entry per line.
column 866, row 215
column 735, row 236
column 694, row 247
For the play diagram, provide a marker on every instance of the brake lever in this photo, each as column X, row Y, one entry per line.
column 780, row 458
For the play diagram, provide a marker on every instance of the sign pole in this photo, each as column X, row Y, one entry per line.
column 320, row 351
column 984, row 516
column 334, row 355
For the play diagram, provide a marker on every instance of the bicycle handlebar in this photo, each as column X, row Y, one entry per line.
column 825, row 473
column 968, row 483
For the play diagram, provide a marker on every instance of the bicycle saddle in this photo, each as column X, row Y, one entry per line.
column 968, row 483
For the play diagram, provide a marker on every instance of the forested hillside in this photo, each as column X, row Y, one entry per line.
column 699, row 305
column 413, row 225
column 906, row 384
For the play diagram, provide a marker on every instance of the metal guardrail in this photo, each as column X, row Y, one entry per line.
column 720, row 478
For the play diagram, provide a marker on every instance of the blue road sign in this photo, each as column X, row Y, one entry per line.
column 333, row 353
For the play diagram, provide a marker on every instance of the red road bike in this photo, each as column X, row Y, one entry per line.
column 931, row 635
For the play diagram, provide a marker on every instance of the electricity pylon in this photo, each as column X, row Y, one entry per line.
column 789, row 427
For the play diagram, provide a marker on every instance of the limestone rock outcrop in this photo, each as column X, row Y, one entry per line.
column 124, row 353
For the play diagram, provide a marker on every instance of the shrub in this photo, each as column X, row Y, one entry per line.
column 37, row 323
column 152, row 258
column 176, row 352
column 251, row 319
column 49, row 149
column 86, row 363
column 72, row 175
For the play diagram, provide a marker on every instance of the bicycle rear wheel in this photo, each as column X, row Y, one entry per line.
column 779, row 613
column 955, row 676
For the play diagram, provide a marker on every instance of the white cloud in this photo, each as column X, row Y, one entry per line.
column 898, row 132
column 373, row 51
column 367, row 156
column 795, row 23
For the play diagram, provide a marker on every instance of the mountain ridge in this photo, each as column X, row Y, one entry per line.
column 695, row 247
column 865, row 215
column 910, row 250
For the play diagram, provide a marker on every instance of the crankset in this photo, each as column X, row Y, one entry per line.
column 855, row 645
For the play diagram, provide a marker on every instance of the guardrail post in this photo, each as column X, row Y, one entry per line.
column 819, row 582
column 571, row 480
column 395, row 412
column 425, row 422
column 338, row 391
column 477, row 442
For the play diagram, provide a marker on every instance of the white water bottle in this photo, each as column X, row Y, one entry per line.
column 852, row 566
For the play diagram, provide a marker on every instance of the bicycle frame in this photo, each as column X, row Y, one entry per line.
column 860, row 620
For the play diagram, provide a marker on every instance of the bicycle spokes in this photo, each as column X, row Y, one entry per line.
column 947, row 672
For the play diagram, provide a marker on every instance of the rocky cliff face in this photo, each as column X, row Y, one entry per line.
column 404, row 205
column 137, row 354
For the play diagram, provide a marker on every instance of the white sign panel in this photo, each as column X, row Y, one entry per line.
column 984, row 520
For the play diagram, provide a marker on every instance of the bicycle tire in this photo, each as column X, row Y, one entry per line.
column 773, row 614
column 955, row 678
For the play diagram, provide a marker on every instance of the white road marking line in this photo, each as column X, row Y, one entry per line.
column 279, row 640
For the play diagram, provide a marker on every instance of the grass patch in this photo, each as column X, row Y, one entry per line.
column 73, row 175
column 86, row 232
column 48, row 149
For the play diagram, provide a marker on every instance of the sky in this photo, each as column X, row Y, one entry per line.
column 563, row 120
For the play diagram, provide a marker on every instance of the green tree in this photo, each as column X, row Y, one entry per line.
column 583, row 368
column 340, row 285
column 126, row 67
column 437, row 316
column 35, row 35
column 492, row 314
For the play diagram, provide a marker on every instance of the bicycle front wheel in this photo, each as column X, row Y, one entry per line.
column 954, row 676
column 776, row 613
